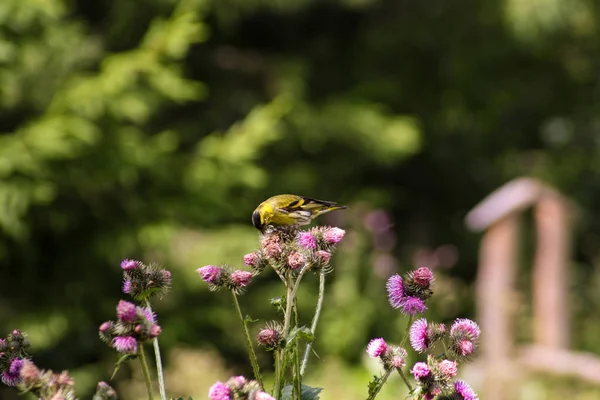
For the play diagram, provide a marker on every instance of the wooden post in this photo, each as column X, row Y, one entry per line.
column 495, row 305
column 550, row 283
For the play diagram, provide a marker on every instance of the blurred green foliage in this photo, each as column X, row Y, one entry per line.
column 152, row 128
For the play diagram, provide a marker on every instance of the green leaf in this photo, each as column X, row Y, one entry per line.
column 249, row 319
column 121, row 360
column 308, row 393
column 302, row 333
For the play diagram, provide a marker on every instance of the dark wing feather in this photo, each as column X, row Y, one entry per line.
column 314, row 203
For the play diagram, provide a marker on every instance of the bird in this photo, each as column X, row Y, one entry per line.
column 290, row 209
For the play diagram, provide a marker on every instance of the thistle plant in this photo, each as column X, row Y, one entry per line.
column 433, row 377
column 291, row 254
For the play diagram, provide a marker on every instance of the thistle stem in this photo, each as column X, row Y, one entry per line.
column 277, row 373
column 384, row 378
column 145, row 371
column 249, row 347
column 406, row 332
column 315, row 321
column 408, row 385
column 159, row 368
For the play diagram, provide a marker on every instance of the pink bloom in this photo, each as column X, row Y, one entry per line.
column 219, row 391
column 268, row 337
column 423, row 277
column 395, row 290
column 377, row 347
column 463, row 326
column 148, row 315
column 333, row 235
column 448, row 368
column 411, row 305
column 465, row 347
column 307, row 240
column 398, row 362
column 15, row 366
column 128, row 264
column 295, row 260
column 125, row 344
column 237, row 382
column 126, row 311
column 271, row 246
column 465, row 391
column 210, row 274
column 241, row 278
column 126, row 286
column 105, row 326
column 155, row 330
column 420, row 370
column 418, row 335
column 263, row 396
column 251, row 259
column 323, row 256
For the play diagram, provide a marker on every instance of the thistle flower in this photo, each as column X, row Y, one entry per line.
column 323, row 256
column 271, row 245
column 126, row 286
column 219, row 391
column 333, row 235
column 270, row 336
column 12, row 375
column 395, row 291
column 306, row 240
column 462, row 389
column 448, row 368
column 464, row 337
column 105, row 391
column 30, row 373
column 423, row 277
column 211, row 275
column 377, row 347
column 128, row 265
column 237, row 382
column 412, row 305
column 418, row 335
column 252, row 259
column 126, row 311
column 420, row 371
column 240, row 278
column 394, row 357
column 125, row 344
column 295, row 260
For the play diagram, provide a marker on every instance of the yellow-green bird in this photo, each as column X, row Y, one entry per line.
column 290, row 209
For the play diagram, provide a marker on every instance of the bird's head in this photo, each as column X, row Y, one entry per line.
column 259, row 220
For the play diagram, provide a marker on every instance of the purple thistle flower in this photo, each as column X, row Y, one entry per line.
column 418, row 335
column 323, row 256
column 271, row 246
column 125, row 344
column 448, row 368
column 377, row 347
column 15, row 366
column 29, row 372
column 210, row 274
column 126, row 286
column 268, row 337
column 420, row 370
column 395, row 290
column 128, row 265
column 155, row 330
column 463, row 326
column 465, row 347
column 423, row 277
column 465, row 391
column 411, row 305
column 241, row 278
column 148, row 314
column 263, row 396
column 333, row 235
column 126, row 311
column 295, row 260
column 307, row 240
column 237, row 382
column 251, row 259
column 398, row 361
column 10, row 379
column 219, row 391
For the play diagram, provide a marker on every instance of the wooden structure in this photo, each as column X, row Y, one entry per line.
column 498, row 215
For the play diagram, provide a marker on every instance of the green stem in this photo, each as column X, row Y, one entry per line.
column 384, row 378
column 249, row 347
column 296, row 376
column 276, row 386
column 145, row 371
column 315, row 321
column 159, row 368
column 406, row 332
column 408, row 385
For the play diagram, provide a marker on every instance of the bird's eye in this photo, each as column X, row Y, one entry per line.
column 256, row 220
